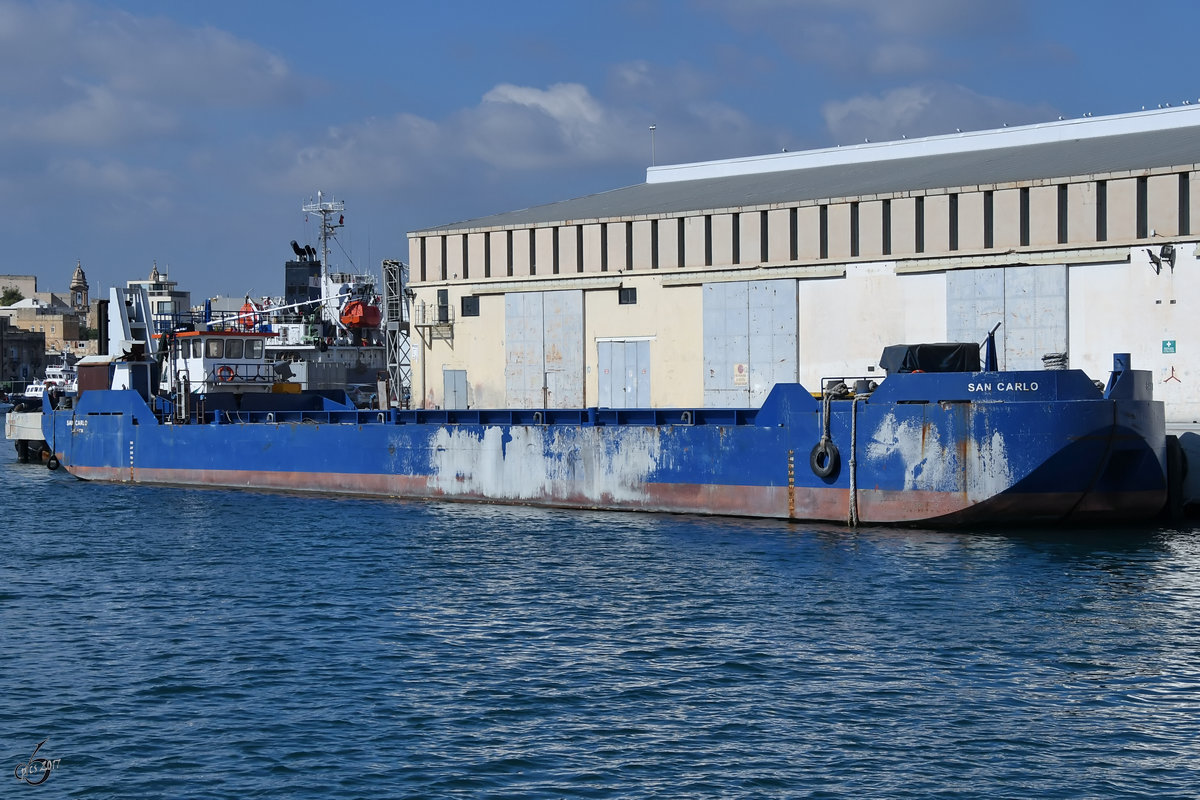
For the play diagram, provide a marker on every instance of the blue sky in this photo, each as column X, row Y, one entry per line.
column 190, row 133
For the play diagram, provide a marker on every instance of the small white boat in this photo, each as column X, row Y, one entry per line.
column 61, row 378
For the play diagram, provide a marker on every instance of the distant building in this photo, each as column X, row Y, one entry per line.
column 25, row 284
column 166, row 300
column 59, row 321
column 22, row 356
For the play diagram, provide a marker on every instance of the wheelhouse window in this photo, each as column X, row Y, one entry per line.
column 214, row 348
column 197, row 348
column 254, row 348
column 233, row 348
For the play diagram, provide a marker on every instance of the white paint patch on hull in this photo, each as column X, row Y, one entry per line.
column 537, row 463
column 932, row 464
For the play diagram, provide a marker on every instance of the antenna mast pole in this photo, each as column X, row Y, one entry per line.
column 326, row 209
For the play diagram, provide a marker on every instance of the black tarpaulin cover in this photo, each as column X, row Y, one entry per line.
column 943, row 357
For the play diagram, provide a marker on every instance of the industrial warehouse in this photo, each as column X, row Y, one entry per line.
column 711, row 282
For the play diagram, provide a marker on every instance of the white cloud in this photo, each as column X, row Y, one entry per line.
column 72, row 73
column 869, row 37
column 924, row 110
column 156, row 58
column 108, row 177
column 525, row 130
column 97, row 117
column 395, row 152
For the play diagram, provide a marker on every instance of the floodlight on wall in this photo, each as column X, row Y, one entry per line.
column 1167, row 253
column 1155, row 261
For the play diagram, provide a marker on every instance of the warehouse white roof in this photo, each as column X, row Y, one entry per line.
column 1069, row 148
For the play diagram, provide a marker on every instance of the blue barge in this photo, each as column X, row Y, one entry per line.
column 936, row 448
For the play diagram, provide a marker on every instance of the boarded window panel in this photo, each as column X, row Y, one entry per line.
column 694, row 230
column 903, row 239
column 749, row 238
column 1006, row 218
column 455, row 245
column 970, row 221
column 839, row 231
column 615, row 234
column 643, row 241
column 779, row 235
column 808, row 233
column 722, row 240
column 568, row 248
column 522, row 255
column 870, row 228
column 1122, row 208
column 1162, row 204
column 1081, row 212
column 433, row 258
column 937, row 224
column 544, row 251
column 668, row 243
column 1194, row 201
column 592, row 247
column 1043, row 216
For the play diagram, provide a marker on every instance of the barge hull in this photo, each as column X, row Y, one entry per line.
column 924, row 449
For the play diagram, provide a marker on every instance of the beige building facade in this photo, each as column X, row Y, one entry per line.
column 60, row 319
column 711, row 282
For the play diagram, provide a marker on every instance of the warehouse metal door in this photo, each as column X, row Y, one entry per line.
column 624, row 379
column 454, row 388
column 750, row 340
column 1030, row 301
column 543, row 334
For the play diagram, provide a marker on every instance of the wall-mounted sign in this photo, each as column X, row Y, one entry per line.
column 1168, row 345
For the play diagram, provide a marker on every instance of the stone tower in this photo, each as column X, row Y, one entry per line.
column 79, row 289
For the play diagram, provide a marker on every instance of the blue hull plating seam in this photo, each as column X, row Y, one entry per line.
column 929, row 449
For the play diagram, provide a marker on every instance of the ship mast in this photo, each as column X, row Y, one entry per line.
column 327, row 209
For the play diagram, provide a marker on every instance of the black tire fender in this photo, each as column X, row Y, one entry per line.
column 824, row 459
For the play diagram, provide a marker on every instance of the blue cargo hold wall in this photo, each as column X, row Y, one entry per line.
column 750, row 340
column 1030, row 301
column 543, row 333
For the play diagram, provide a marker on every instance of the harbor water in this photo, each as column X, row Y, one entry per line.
column 162, row 642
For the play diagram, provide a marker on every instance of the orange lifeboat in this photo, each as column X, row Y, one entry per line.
column 248, row 316
column 359, row 314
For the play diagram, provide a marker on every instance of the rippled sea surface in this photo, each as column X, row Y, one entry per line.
column 213, row 644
